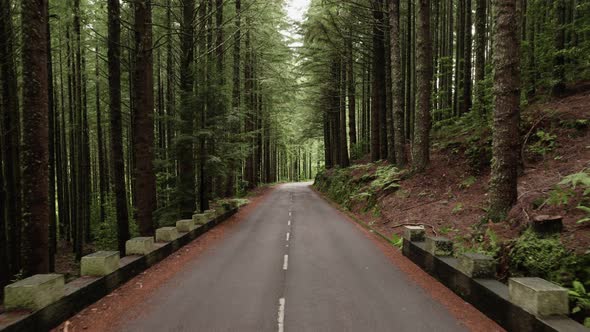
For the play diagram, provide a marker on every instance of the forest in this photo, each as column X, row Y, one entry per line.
column 119, row 117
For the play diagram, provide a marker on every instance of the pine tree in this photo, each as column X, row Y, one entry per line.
column 35, row 137
column 506, row 140
column 421, row 147
column 117, row 155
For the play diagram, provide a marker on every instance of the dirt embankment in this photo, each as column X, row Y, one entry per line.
column 450, row 197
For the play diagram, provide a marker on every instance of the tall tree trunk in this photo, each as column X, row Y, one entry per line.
column 117, row 154
column 421, row 147
column 11, row 131
column 458, row 107
column 203, row 76
column 143, row 131
column 51, row 151
column 170, row 92
column 186, row 162
column 559, row 59
column 249, row 121
column 344, row 158
column 397, row 83
column 35, row 137
column 236, row 93
column 78, row 145
column 378, row 107
column 480, row 56
column 388, row 91
column 467, row 102
column 351, row 95
column 102, row 171
column 506, row 140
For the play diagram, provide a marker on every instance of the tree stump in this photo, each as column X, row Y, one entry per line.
column 546, row 225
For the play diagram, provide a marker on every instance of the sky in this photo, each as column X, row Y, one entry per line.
column 296, row 9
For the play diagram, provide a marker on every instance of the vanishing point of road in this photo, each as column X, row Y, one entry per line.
column 293, row 264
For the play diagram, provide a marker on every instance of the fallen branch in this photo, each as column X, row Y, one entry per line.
column 413, row 224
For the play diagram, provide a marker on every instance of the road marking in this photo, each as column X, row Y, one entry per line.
column 289, row 213
column 288, row 234
column 289, row 223
column 286, row 262
column 281, row 317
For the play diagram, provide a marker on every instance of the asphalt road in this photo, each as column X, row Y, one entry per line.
column 294, row 264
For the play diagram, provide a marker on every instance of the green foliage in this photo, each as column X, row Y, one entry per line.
column 566, row 190
column 587, row 217
column 458, row 208
column 581, row 179
column 577, row 124
column 537, row 256
column 387, row 179
column 445, row 230
column 357, row 150
column 359, row 184
column 397, row 240
column 580, row 297
column 546, row 257
column 105, row 231
column 545, row 143
column 468, row 182
column 559, row 196
column 469, row 134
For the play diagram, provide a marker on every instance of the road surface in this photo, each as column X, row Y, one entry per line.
column 294, row 264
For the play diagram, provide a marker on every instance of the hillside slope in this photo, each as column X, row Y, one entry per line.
column 450, row 198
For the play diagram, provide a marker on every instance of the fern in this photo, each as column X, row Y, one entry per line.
column 578, row 179
column 587, row 217
column 580, row 296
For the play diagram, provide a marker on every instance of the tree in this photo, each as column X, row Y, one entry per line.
column 117, row 156
column 396, row 75
column 480, row 58
column 10, row 138
column 143, row 126
column 421, row 147
column 467, row 103
column 186, row 162
column 378, row 106
column 506, row 139
column 35, row 137
column 560, row 38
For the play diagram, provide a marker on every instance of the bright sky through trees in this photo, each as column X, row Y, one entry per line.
column 296, row 10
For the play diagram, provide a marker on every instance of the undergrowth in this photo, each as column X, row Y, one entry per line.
column 359, row 184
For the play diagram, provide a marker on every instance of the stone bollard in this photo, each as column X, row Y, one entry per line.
column 100, row 263
column 200, row 219
column 166, row 234
column 538, row 296
column 414, row 233
column 139, row 246
column 476, row 265
column 439, row 246
column 185, row 225
column 35, row 292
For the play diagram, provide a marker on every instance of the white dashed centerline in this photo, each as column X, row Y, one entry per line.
column 286, row 262
column 288, row 235
column 281, row 316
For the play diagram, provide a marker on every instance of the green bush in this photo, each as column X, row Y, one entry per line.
column 358, row 184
